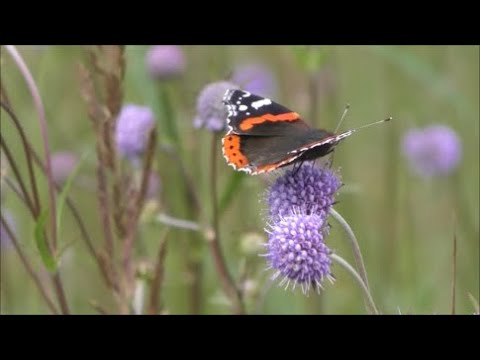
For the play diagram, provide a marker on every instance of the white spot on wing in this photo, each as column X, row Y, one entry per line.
column 243, row 107
column 259, row 103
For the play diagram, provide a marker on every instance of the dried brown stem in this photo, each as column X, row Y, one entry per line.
column 38, row 104
column 27, row 152
column 138, row 202
column 62, row 299
column 18, row 177
column 155, row 306
column 226, row 279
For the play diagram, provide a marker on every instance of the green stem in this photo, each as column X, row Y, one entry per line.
column 354, row 243
column 371, row 308
column 226, row 278
column 37, row 101
column 355, row 247
column 169, row 117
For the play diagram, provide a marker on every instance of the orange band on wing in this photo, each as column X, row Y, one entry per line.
column 231, row 151
column 247, row 124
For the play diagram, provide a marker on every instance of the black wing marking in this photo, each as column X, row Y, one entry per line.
column 250, row 114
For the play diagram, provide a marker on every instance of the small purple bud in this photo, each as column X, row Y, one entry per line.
column 165, row 62
column 211, row 112
column 133, row 127
column 434, row 150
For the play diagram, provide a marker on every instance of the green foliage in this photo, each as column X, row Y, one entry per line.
column 48, row 259
column 404, row 224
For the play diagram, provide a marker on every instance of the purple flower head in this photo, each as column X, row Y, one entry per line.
column 255, row 78
column 296, row 249
column 434, row 150
column 310, row 190
column 63, row 164
column 133, row 126
column 165, row 62
column 211, row 112
column 5, row 241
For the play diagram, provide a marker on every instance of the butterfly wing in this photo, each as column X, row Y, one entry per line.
column 250, row 114
column 257, row 154
column 265, row 136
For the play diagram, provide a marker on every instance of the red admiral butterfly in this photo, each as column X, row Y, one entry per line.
column 263, row 135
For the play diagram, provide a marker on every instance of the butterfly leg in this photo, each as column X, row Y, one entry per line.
column 330, row 161
column 296, row 168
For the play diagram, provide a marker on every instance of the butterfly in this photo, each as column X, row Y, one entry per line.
column 263, row 135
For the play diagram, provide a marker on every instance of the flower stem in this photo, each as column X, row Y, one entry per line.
column 32, row 87
column 177, row 223
column 454, row 271
column 28, row 155
column 154, row 306
column 169, row 120
column 371, row 308
column 354, row 243
column 355, row 247
column 214, row 242
column 28, row 266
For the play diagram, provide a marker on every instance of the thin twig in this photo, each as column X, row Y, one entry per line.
column 69, row 201
column 214, row 240
column 177, row 223
column 28, row 156
column 104, row 205
column 137, row 208
column 354, row 243
column 454, row 272
column 3, row 94
column 185, row 176
column 156, row 287
column 28, row 266
column 71, row 205
column 62, row 298
column 371, row 308
column 194, row 266
column 313, row 92
column 37, row 101
column 355, row 247
column 18, row 177
column 32, row 87
column 16, row 190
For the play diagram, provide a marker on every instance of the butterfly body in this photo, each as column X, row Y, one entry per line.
column 263, row 135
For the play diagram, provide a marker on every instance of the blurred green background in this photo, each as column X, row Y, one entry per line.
column 405, row 224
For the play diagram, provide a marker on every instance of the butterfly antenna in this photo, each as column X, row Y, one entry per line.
column 371, row 124
column 343, row 117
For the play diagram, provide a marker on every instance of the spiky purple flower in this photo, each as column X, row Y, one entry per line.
column 296, row 249
column 255, row 78
column 133, row 126
column 165, row 62
column 63, row 164
column 434, row 150
column 310, row 190
column 211, row 112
